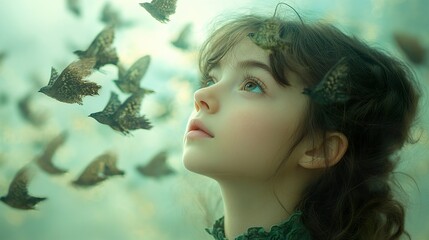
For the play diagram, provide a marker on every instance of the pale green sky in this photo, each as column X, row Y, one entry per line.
column 40, row 34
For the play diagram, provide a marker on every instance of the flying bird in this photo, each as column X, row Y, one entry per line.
column 128, row 114
column 182, row 41
column 98, row 170
column 110, row 165
column 44, row 161
column 28, row 113
column 129, row 81
column 69, row 86
column 17, row 196
column 124, row 117
column 74, row 7
column 411, row 47
column 333, row 87
column 160, row 9
column 157, row 166
column 111, row 16
column 101, row 48
column 106, row 115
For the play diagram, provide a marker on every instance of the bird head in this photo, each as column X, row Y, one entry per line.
column 79, row 53
column 43, row 89
column 100, row 117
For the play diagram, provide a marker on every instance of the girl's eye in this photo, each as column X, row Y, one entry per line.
column 253, row 85
column 207, row 82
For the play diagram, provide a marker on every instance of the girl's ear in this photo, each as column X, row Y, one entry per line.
column 327, row 154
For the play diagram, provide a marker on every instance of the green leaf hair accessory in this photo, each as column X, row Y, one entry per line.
column 269, row 36
column 333, row 87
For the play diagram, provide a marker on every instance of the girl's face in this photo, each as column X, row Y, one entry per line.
column 243, row 122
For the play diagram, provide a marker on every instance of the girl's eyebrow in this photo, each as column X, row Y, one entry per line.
column 255, row 64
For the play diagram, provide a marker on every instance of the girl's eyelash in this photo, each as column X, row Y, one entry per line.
column 255, row 80
column 204, row 81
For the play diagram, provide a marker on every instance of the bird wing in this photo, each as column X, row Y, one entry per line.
column 133, row 123
column 268, row 35
column 182, row 41
column 112, row 105
column 93, row 172
column 105, row 38
column 106, row 56
column 156, row 166
column 77, row 70
column 333, row 87
column 122, row 71
column 45, row 160
column 102, row 41
column 160, row 9
column 18, row 186
column 74, row 7
column 54, row 76
column 131, row 107
column 110, row 164
column 136, row 72
column 167, row 7
column 108, row 14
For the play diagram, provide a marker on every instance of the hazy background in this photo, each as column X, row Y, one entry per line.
column 39, row 34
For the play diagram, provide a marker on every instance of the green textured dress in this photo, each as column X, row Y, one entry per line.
column 291, row 229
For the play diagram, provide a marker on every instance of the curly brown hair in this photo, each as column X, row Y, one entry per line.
column 352, row 199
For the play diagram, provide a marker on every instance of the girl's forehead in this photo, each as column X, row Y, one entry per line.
column 245, row 50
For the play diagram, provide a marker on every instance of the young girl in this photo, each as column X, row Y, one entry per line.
column 298, row 123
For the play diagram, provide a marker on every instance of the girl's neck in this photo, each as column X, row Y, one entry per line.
column 249, row 205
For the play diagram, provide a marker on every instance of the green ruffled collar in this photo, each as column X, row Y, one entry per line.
column 290, row 230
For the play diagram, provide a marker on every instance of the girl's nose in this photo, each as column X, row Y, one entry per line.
column 205, row 100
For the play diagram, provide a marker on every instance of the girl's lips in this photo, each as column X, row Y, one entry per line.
column 197, row 129
column 197, row 134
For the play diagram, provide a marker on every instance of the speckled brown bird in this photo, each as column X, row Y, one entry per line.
column 268, row 36
column 106, row 115
column 157, row 166
column 69, row 86
column 44, row 161
column 333, row 88
column 101, row 48
column 128, row 116
column 17, row 196
column 98, row 170
column 160, row 9
column 124, row 117
column 129, row 82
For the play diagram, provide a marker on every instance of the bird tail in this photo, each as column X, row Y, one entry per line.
column 133, row 123
column 35, row 200
column 108, row 56
column 122, row 86
column 89, row 88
